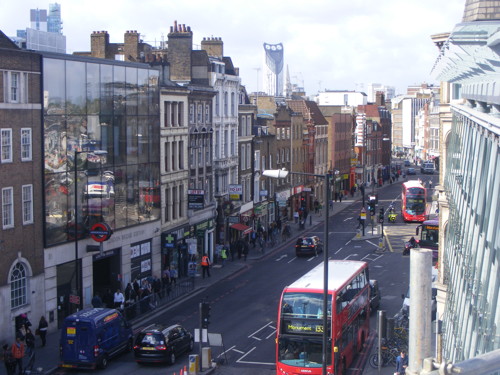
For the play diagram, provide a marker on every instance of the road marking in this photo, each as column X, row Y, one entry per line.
column 260, row 329
column 348, row 242
column 350, row 255
column 376, row 245
column 338, row 250
column 291, row 260
column 272, row 334
column 349, row 218
column 281, row 257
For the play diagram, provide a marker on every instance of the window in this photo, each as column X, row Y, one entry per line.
column 217, row 105
column 243, row 161
column 249, row 160
column 207, row 114
column 233, row 104
column 26, row 144
column 14, row 87
column 18, row 286
column 27, row 204
column 226, row 99
column 199, row 114
column 191, row 113
column 6, row 145
column 7, row 208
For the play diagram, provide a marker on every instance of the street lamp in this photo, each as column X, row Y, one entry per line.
column 75, row 216
column 283, row 173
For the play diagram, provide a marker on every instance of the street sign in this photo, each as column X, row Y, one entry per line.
column 74, row 299
column 100, row 232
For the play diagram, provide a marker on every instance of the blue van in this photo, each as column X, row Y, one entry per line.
column 91, row 336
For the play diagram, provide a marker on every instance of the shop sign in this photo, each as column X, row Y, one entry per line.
column 235, row 192
column 263, row 193
column 298, row 189
column 196, row 199
column 307, row 189
column 233, row 219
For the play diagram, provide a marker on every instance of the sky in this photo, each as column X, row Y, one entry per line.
column 328, row 44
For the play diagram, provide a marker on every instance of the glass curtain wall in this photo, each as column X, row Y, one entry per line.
column 105, row 118
column 472, row 242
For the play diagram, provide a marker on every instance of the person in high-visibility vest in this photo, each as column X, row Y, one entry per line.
column 223, row 255
column 205, row 265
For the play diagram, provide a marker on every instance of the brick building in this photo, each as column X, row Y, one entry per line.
column 21, row 225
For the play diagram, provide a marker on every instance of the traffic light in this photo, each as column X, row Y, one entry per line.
column 381, row 215
column 205, row 314
column 371, row 207
column 302, row 202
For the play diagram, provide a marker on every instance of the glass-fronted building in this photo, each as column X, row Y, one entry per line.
column 469, row 190
column 101, row 167
column 103, row 117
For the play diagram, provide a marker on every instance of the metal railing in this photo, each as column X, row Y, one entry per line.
column 136, row 308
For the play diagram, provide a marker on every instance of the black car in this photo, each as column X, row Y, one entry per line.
column 411, row 171
column 308, row 246
column 157, row 343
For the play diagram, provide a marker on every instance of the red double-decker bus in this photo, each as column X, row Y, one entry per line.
column 299, row 341
column 413, row 201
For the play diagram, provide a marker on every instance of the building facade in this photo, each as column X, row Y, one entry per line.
column 469, row 195
column 21, row 216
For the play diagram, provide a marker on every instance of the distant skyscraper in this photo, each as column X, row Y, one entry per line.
column 273, row 69
column 45, row 31
column 38, row 19
column 54, row 23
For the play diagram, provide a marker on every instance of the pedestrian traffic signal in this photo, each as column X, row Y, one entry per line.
column 205, row 314
column 381, row 215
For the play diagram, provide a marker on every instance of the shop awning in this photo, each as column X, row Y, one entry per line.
column 242, row 228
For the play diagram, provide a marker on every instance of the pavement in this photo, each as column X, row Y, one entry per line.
column 47, row 357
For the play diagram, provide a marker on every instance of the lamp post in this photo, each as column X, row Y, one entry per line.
column 75, row 217
column 283, row 173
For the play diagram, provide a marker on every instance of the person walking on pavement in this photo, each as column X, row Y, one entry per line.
column 18, row 354
column 42, row 329
column 401, row 363
column 8, row 360
column 96, row 301
column 205, row 265
column 245, row 250
column 118, row 298
column 30, row 342
column 223, row 255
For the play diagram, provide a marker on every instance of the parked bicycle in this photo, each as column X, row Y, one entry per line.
column 388, row 354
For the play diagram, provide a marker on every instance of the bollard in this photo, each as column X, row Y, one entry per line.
column 310, row 220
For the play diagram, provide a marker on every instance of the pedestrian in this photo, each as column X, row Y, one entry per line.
column 341, row 195
column 401, row 363
column 108, row 298
column 166, row 281
column 223, row 255
column 245, row 250
column 430, row 184
column 118, row 299
column 173, row 275
column 18, row 354
column 96, row 301
column 8, row 360
column 205, row 265
column 29, row 339
column 42, row 329
column 296, row 216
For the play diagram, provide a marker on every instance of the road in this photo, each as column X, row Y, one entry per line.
column 244, row 305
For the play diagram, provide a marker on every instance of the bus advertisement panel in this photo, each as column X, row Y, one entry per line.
column 299, row 342
column 413, row 201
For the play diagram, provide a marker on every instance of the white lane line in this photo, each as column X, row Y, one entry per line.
column 350, row 255
column 349, row 218
column 260, row 329
column 338, row 250
column 348, row 242
column 291, row 260
column 376, row 245
column 272, row 334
